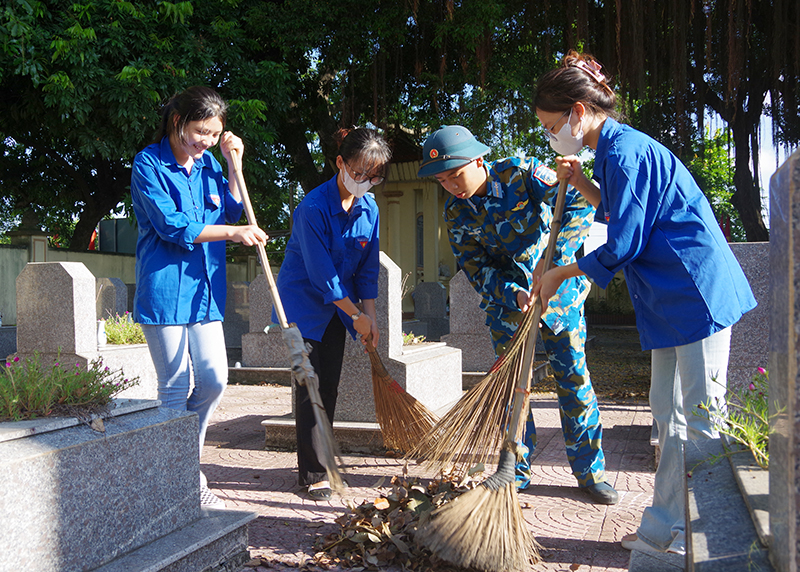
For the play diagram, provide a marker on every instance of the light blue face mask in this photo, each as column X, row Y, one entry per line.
column 564, row 142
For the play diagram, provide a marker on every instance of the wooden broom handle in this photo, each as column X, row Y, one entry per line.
column 530, row 344
column 262, row 253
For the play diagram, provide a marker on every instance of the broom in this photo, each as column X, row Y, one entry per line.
column 471, row 432
column 324, row 443
column 404, row 421
column 484, row 528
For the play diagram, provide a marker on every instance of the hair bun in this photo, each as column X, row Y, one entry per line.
column 586, row 63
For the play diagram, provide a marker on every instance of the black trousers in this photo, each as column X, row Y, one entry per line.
column 326, row 356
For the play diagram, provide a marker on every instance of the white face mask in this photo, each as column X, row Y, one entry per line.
column 565, row 143
column 358, row 190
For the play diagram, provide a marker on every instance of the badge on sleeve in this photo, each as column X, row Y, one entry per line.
column 363, row 243
column 546, row 175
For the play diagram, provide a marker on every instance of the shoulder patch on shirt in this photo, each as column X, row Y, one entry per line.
column 546, row 175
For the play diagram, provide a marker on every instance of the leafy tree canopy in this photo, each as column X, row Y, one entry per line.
column 82, row 83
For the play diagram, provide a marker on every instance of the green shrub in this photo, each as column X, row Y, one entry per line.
column 31, row 389
column 411, row 339
column 746, row 419
column 123, row 330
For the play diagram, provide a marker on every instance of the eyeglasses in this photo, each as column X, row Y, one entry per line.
column 549, row 131
column 361, row 177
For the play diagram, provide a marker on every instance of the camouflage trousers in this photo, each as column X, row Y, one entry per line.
column 580, row 416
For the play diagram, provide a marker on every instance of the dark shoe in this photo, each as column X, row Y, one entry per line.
column 320, row 494
column 602, row 493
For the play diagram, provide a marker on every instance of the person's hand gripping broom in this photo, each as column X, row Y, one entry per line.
column 324, row 443
column 484, row 528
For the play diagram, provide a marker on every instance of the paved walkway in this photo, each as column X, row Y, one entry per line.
column 576, row 534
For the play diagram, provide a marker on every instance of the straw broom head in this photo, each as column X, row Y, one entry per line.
column 473, row 430
column 484, row 528
column 404, row 421
column 470, row 432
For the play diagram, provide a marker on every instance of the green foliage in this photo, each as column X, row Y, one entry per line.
column 30, row 388
column 410, row 339
column 712, row 168
column 122, row 330
column 747, row 418
column 83, row 85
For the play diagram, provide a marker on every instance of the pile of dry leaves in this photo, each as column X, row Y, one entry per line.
column 380, row 533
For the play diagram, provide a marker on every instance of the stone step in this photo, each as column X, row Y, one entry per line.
column 216, row 542
column 352, row 436
column 471, row 378
column 720, row 534
column 653, row 562
column 246, row 375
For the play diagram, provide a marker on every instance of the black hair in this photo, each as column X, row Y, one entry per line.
column 578, row 79
column 367, row 146
column 193, row 104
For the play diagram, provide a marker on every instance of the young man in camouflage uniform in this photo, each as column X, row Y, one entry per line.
column 499, row 223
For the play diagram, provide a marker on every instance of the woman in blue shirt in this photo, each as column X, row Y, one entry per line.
column 331, row 264
column 184, row 208
column 686, row 286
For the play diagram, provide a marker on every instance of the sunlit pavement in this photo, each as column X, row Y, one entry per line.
column 575, row 534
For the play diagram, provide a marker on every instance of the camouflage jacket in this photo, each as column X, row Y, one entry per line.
column 499, row 238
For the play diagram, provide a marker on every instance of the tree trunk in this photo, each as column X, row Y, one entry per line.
column 747, row 197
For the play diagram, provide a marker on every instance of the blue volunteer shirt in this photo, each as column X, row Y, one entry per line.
column 177, row 281
column 683, row 279
column 331, row 255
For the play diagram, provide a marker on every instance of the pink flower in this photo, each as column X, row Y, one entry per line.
column 16, row 359
column 752, row 387
column 761, row 370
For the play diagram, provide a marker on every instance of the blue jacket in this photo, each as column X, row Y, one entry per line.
column 683, row 279
column 177, row 281
column 331, row 255
column 499, row 238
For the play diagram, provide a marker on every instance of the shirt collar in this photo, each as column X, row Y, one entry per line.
column 607, row 134
column 168, row 157
column 494, row 188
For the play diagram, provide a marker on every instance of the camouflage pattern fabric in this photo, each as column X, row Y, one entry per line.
column 497, row 241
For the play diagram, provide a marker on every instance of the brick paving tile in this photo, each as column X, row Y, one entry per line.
column 574, row 533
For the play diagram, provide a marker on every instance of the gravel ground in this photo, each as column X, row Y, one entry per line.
column 619, row 368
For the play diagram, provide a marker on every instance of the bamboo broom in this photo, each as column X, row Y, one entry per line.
column 485, row 528
column 404, row 421
column 472, row 431
column 324, row 443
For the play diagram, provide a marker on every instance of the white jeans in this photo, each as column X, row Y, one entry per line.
column 683, row 377
column 172, row 348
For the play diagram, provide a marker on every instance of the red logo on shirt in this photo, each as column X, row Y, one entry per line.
column 363, row 243
column 608, row 216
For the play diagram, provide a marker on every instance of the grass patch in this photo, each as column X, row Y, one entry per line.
column 33, row 387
